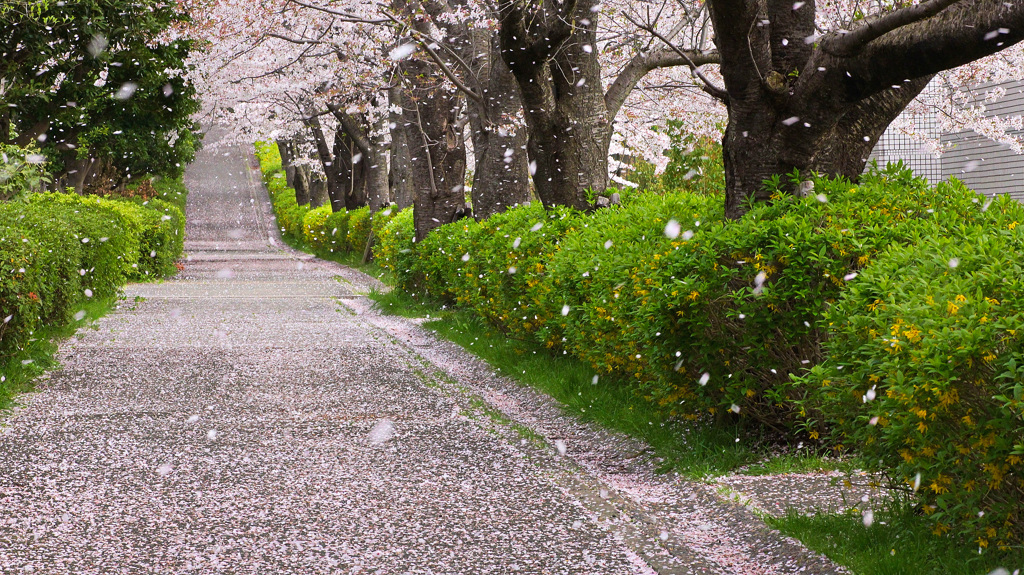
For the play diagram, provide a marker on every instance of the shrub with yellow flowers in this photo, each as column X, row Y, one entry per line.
column 394, row 245
column 314, row 231
column 925, row 371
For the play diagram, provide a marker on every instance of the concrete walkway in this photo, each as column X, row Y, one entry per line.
column 253, row 415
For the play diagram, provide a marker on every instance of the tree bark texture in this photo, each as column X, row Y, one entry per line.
column 400, row 180
column 301, row 184
column 553, row 56
column 501, row 177
column 349, row 170
column 329, row 179
column 438, row 153
column 821, row 105
column 552, row 51
column 286, row 148
column 367, row 151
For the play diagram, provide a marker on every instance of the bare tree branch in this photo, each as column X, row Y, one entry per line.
column 342, row 16
column 421, row 39
column 851, row 43
column 663, row 60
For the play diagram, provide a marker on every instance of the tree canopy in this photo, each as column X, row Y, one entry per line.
column 98, row 84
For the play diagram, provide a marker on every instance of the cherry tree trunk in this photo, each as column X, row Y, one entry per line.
column 349, row 172
column 319, row 190
column 559, row 76
column 438, row 153
column 375, row 160
column 501, row 177
column 800, row 103
column 301, row 184
column 801, row 138
column 400, row 173
column 286, row 149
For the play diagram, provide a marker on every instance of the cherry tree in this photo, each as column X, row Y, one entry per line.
column 789, row 86
column 805, row 97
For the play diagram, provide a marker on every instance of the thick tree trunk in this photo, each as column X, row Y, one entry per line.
column 400, row 174
column 363, row 147
column 820, row 133
column 319, row 191
column 501, row 177
column 438, row 153
column 331, row 188
column 821, row 105
column 376, row 162
column 349, row 170
column 286, row 148
column 301, row 184
column 563, row 98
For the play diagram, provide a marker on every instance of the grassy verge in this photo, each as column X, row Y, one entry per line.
column 697, row 450
column 898, row 542
column 20, row 371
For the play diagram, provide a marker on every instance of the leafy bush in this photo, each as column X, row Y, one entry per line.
column 497, row 266
column 171, row 190
column 58, row 249
column 394, row 248
column 621, row 276
column 290, row 215
column 336, row 227
column 695, row 163
column 160, row 241
column 21, row 170
column 924, row 375
column 740, row 305
column 39, row 280
column 358, row 229
column 313, row 230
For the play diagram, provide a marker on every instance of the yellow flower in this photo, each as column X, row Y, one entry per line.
column 960, row 298
column 952, row 308
column 694, row 295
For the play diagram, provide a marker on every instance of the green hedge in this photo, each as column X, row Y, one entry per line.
column 58, row 249
column 319, row 230
column 704, row 315
column 925, row 371
column 708, row 317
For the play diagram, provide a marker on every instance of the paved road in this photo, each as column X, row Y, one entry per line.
column 252, row 415
column 237, row 419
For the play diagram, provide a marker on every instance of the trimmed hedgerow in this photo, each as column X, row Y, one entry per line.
column 741, row 303
column 924, row 375
column 318, row 229
column 358, row 229
column 313, row 231
column 160, row 234
column 58, row 249
column 496, row 266
column 290, row 214
column 394, row 247
column 336, row 228
column 704, row 315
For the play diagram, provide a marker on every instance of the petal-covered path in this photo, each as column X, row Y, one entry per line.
column 253, row 415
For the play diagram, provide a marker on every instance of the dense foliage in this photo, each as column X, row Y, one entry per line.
column 98, row 80
column 322, row 231
column 851, row 317
column 57, row 250
column 705, row 315
column 924, row 375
